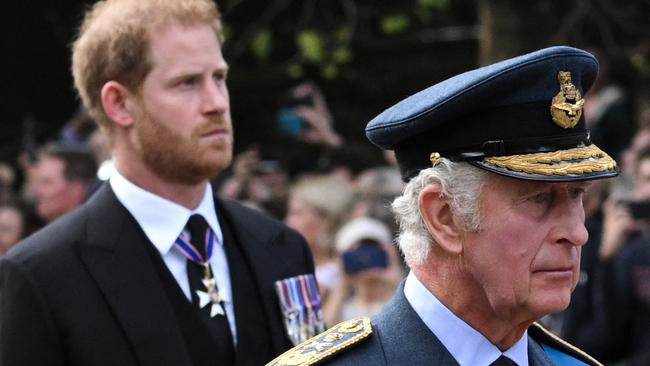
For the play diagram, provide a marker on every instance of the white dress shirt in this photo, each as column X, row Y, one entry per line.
column 163, row 221
column 466, row 344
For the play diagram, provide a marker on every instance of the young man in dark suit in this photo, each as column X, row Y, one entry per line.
column 153, row 269
column 491, row 220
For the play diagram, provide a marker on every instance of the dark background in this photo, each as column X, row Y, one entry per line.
column 364, row 54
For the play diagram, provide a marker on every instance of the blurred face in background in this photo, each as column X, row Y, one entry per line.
column 55, row 195
column 642, row 180
column 306, row 220
column 11, row 227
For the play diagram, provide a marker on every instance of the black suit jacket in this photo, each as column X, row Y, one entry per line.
column 83, row 291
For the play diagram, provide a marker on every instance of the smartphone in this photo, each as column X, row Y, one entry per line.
column 288, row 121
column 367, row 255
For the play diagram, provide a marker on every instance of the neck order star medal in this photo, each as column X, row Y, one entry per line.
column 211, row 295
column 566, row 106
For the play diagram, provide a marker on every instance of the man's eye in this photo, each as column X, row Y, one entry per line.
column 542, row 197
column 219, row 76
column 188, row 82
column 577, row 192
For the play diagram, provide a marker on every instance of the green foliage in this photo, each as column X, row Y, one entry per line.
column 395, row 23
column 327, row 36
column 342, row 55
column 295, row 70
column 434, row 4
column 262, row 45
column 315, row 49
column 641, row 63
column 310, row 44
column 329, row 71
column 342, row 34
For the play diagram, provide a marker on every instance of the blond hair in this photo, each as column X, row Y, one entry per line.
column 114, row 43
column 329, row 196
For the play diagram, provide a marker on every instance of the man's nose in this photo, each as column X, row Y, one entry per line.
column 215, row 98
column 570, row 224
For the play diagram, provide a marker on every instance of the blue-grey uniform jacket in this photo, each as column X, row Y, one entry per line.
column 399, row 337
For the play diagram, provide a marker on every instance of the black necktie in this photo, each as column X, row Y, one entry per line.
column 218, row 324
column 503, row 361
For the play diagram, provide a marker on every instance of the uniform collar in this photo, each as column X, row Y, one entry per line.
column 466, row 344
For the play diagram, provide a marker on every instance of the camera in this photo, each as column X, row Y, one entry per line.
column 368, row 254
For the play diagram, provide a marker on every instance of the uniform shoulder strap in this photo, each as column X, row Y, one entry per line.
column 337, row 339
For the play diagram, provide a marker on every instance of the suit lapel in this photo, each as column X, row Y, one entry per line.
column 116, row 258
column 405, row 339
column 256, row 238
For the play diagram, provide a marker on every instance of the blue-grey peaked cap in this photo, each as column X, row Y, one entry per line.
column 521, row 117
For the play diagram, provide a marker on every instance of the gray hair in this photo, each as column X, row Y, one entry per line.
column 461, row 184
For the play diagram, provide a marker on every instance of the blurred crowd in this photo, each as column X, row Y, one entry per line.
column 337, row 194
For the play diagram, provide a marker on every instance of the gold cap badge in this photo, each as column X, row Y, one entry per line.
column 566, row 106
column 435, row 158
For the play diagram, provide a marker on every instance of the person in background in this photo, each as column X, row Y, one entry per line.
column 263, row 184
column 79, row 128
column 63, row 179
column 153, row 269
column 370, row 270
column 7, row 181
column 99, row 145
column 497, row 161
column 350, row 160
column 609, row 110
column 306, row 135
column 12, row 225
column 318, row 205
column 619, row 330
column 310, row 105
column 624, row 184
column 375, row 189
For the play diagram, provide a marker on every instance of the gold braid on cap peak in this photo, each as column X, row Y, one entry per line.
column 579, row 160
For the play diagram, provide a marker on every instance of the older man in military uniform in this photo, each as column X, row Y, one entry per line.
column 491, row 221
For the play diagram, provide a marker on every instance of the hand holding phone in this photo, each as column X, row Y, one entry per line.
column 367, row 255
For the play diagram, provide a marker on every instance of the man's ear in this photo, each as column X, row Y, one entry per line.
column 118, row 104
column 438, row 218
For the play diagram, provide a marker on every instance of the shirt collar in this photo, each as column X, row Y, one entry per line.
column 466, row 344
column 162, row 220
